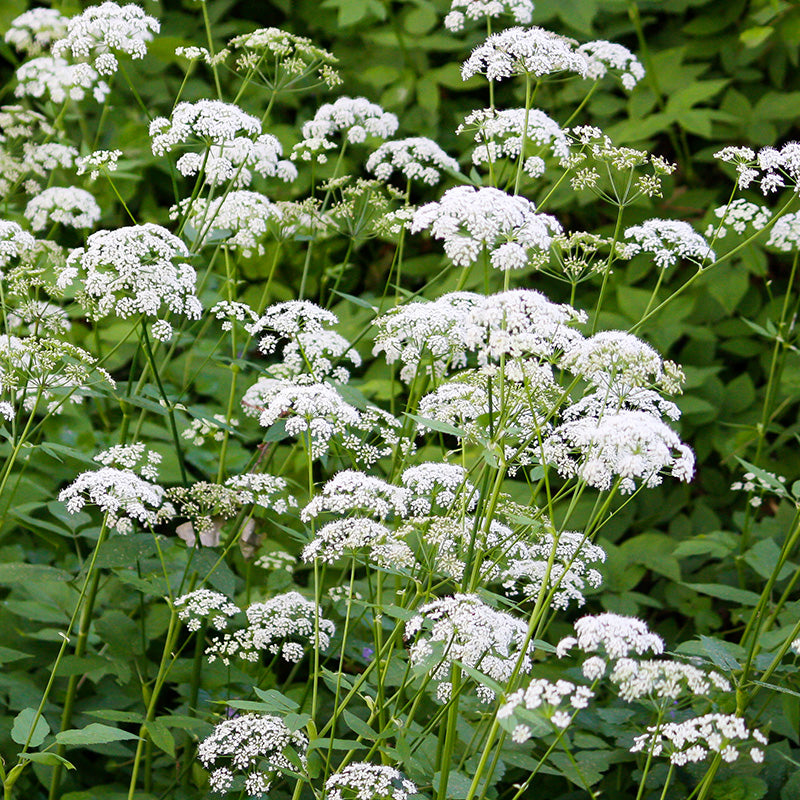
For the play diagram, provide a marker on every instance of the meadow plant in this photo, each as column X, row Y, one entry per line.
column 306, row 474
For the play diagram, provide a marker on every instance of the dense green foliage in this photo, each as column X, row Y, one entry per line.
column 713, row 572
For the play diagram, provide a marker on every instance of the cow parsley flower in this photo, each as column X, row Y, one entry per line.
column 97, row 162
column 198, row 606
column 286, row 625
column 524, row 51
column 612, row 634
column 416, row 158
column 368, row 782
column 345, row 537
column 463, row 628
column 462, row 10
column 697, row 738
column 567, row 561
column 739, row 215
column 668, row 240
column 555, row 702
column 499, row 134
column 785, row 233
column 54, row 78
column 40, row 318
column 353, row 117
column 135, row 457
column 629, row 444
column 607, row 56
column 250, row 749
column 103, row 31
column 34, row 31
column 38, row 371
column 242, row 219
column 472, row 220
column 635, row 679
column 435, row 486
column 520, row 323
column 777, row 166
column 354, row 491
column 15, row 243
column 282, row 59
column 142, row 269
column 43, row 158
column 121, row 494
column 65, row 205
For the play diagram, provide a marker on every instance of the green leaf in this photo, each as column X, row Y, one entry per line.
column 9, row 654
column 22, row 728
column 32, row 574
column 457, row 785
column 724, row 592
column 358, row 726
column 739, row 787
column 160, row 736
column 48, row 758
column 278, row 703
column 435, row 425
column 94, row 733
column 753, row 37
column 723, row 654
column 420, row 21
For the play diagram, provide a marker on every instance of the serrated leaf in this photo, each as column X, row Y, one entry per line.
column 23, row 727
column 93, row 733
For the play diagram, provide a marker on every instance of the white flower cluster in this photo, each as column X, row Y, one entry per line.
column 763, row 483
column 63, row 205
column 472, row 220
column 196, row 607
column 463, row 628
column 39, row 316
column 354, row 117
column 462, row 10
column 262, row 490
column 369, row 782
column 119, row 493
column 635, row 679
column 313, row 353
column 570, row 569
column 417, row 158
column 285, row 626
column 344, row 537
column 43, row 158
column 696, row 738
column 556, row 702
column 54, row 78
column 668, row 240
column 613, row 634
column 102, row 31
column 738, row 216
column 785, row 233
column 292, row 57
column 499, row 134
column 36, row 371
column 254, row 746
column 630, row 445
column 136, row 457
column 34, row 31
column 354, row 491
column 97, row 162
column 772, row 167
column 15, row 243
column 201, row 429
column 135, row 270
column 241, row 219
column 524, row 51
column 604, row 56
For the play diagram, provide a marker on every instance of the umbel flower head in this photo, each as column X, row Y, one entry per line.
column 416, row 158
column 54, row 78
column 101, row 32
column 525, row 51
column 469, row 631
column 248, row 751
column 65, row 205
column 362, row 781
column 120, row 492
column 462, row 10
column 355, row 118
column 37, row 372
column 142, row 269
column 35, row 31
column 198, row 606
column 15, row 243
column 473, row 220
column 668, row 240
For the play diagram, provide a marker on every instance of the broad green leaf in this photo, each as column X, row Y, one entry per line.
column 359, row 726
column 93, row 733
column 435, row 425
column 277, row 702
column 724, row 654
column 23, row 727
column 457, row 784
column 31, row 574
column 160, row 736
column 725, row 592
column 48, row 759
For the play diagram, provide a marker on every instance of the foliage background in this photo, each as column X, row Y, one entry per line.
column 719, row 73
